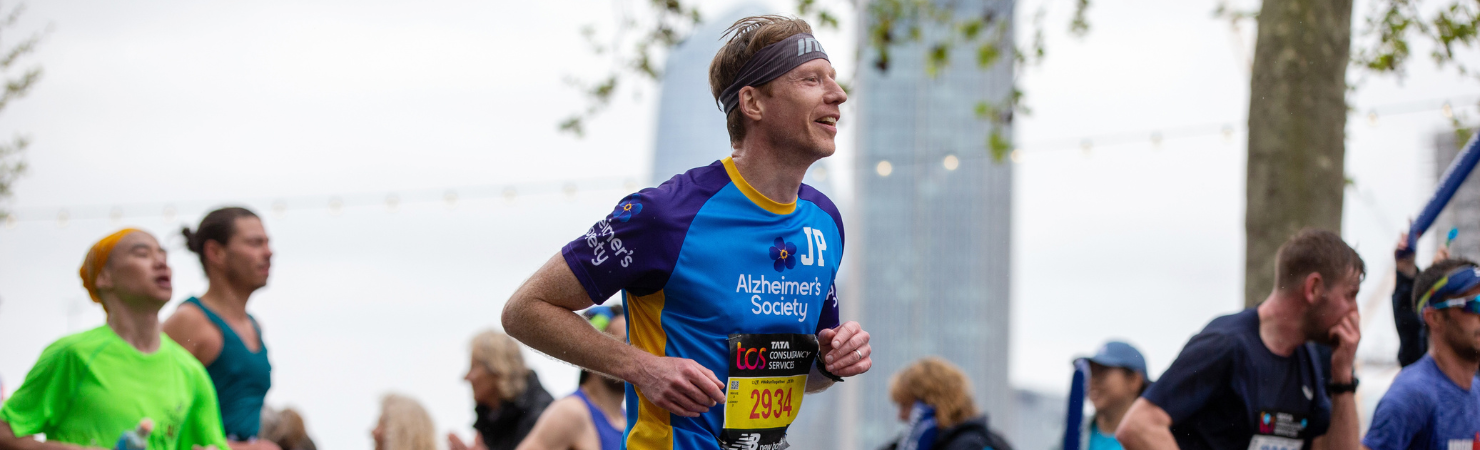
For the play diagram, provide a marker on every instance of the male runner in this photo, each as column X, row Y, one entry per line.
column 592, row 417
column 233, row 249
column 727, row 270
column 1250, row 380
column 123, row 381
column 1434, row 403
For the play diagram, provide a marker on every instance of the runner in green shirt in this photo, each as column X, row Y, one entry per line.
column 88, row 389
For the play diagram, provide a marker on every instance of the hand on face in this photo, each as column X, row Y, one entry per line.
column 1346, row 334
column 845, row 349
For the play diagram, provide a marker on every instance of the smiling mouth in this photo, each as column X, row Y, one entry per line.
column 831, row 121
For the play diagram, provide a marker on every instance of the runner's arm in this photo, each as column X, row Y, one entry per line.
column 540, row 314
column 9, row 441
column 190, row 328
column 1344, row 431
column 558, row 427
column 1146, row 427
column 846, row 352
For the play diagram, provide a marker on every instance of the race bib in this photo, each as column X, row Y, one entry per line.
column 768, row 376
column 1279, row 431
column 1265, row 442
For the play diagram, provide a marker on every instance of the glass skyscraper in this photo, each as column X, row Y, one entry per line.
column 929, row 238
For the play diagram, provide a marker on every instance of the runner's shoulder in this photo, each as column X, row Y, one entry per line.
column 691, row 189
column 816, row 197
column 76, row 345
column 189, row 322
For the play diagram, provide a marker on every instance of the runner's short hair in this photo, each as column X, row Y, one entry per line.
column 937, row 383
column 1315, row 251
column 746, row 37
column 499, row 353
column 219, row 226
column 1426, row 279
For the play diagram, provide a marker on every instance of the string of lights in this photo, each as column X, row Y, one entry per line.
column 508, row 194
column 511, row 193
column 1156, row 137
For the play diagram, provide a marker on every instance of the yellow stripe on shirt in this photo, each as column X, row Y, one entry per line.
column 653, row 429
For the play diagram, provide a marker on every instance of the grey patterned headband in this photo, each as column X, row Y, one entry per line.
column 771, row 62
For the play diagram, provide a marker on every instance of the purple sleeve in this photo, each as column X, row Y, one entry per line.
column 829, row 316
column 1192, row 380
column 636, row 246
column 1395, row 422
column 626, row 250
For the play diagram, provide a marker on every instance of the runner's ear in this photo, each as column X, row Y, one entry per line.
column 1313, row 287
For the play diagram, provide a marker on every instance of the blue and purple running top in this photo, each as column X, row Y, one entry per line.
column 702, row 257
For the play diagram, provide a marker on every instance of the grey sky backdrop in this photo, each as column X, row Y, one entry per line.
column 173, row 105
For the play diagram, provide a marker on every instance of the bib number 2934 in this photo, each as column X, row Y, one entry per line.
column 767, row 379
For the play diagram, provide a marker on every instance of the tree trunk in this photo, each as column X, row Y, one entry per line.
column 1297, row 121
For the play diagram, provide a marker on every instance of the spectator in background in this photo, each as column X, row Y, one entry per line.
column 934, row 398
column 1117, row 378
column 1435, row 403
column 1252, row 379
column 1412, row 341
column 403, row 425
column 286, row 429
column 509, row 396
column 592, row 418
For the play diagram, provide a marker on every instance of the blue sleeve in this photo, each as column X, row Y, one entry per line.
column 1396, row 421
column 1199, row 372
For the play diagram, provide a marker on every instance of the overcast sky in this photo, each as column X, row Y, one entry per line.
column 147, row 108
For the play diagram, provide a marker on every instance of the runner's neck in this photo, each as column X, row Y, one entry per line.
column 609, row 402
column 1460, row 371
column 227, row 300
column 769, row 172
column 135, row 324
column 1279, row 324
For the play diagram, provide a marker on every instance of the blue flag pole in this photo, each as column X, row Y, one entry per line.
column 1074, row 419
column 1449, row 183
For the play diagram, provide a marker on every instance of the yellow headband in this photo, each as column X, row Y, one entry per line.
column 97, row 259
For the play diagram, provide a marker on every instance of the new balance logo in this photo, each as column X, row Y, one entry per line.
column 808, row 45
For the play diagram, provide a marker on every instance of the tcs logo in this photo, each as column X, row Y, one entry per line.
column 743, row 360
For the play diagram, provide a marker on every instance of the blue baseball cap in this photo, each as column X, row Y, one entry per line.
column 1120, row 354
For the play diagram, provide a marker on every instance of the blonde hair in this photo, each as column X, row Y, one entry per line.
column 499, row 353
column 937, row 383
column 406, row 425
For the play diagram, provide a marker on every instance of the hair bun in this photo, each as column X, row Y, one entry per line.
column 189, row 239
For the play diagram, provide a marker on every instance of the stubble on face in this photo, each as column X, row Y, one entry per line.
column 1462, row 333
column 801, row 98
column 1334, row 304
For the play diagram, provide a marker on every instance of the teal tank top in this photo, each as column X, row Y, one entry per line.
column 241, row 378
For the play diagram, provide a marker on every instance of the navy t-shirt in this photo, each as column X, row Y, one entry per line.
column 1424, row 409
column 1226, row 390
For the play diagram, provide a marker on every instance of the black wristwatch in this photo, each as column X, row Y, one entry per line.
column 1337, row 388
column 822, row 368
